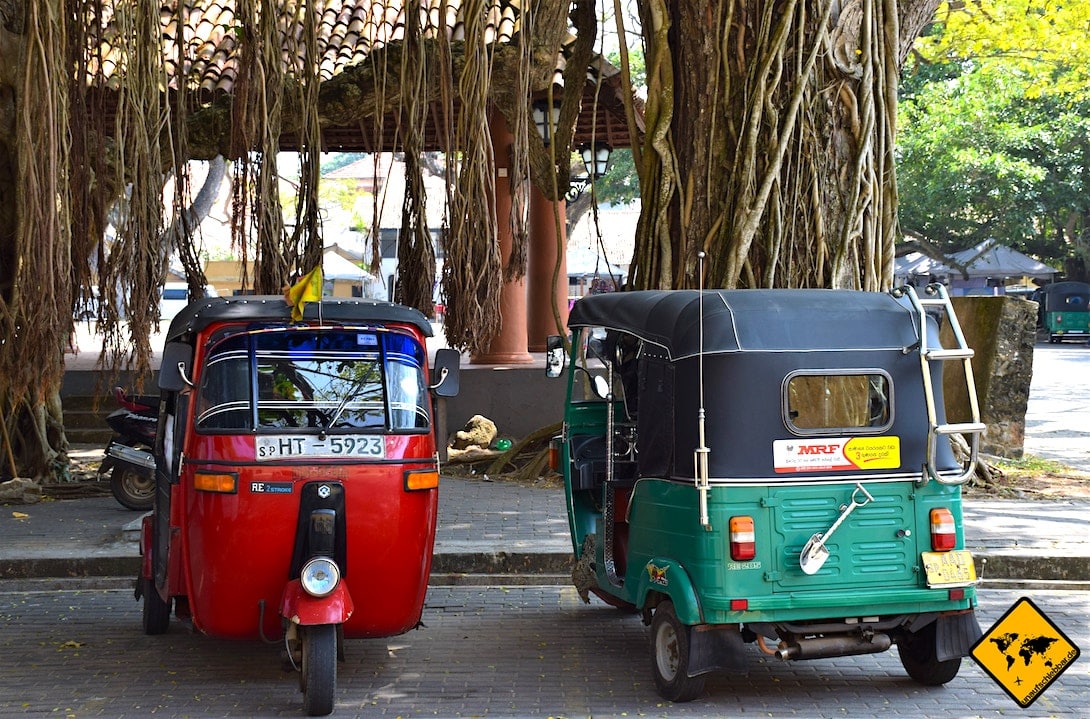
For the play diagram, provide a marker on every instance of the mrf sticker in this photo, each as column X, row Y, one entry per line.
column 836, row 454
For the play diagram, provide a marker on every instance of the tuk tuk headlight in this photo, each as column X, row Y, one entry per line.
column 320, row 576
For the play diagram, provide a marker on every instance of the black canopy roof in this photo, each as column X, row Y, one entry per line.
column 274, row 308
column 1066, row 286
column 752, row 320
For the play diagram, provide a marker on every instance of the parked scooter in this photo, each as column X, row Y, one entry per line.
column 128, row 455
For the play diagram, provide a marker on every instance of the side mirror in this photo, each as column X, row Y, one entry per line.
column 554, row 356
column 445, row 373
column 176, row 368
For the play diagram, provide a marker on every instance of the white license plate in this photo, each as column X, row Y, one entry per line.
column 949, row 569
column 288, row 446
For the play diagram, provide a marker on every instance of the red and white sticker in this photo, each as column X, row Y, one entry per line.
column 836, row 454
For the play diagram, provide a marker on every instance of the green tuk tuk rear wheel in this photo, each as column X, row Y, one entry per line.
column 917, row 653
column 670, row 641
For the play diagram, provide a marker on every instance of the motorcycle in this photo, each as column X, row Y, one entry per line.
column 128, row 459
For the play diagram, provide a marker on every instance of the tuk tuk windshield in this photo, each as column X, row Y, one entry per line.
column 314, row 378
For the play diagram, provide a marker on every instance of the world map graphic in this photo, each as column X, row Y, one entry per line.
column 1014, row 646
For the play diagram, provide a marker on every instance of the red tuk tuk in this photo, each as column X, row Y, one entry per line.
column 296, row 467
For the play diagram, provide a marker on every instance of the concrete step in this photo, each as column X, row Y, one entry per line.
column 85, row 419
column 99, row 437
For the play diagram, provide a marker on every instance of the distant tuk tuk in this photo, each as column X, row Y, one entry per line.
column 296, row 477
column 770, row 467
column 1064, row 310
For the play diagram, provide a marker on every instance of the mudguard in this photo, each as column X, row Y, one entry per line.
column 956, row 634
column 146, row 538
column 716, row 646
column 301, row 608
column 666, row 576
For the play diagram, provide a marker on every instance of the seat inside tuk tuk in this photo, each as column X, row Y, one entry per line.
column 588, row 454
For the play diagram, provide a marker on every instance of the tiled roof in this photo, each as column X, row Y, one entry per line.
column 209, row 33
column 347, row 31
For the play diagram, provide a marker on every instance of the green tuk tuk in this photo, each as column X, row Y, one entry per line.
column 1064, row 310
column 770, row 467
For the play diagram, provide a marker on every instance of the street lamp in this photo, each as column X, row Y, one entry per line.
column 546, row 117
column 596, row 158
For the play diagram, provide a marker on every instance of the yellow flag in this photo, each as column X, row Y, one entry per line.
column 307, row 289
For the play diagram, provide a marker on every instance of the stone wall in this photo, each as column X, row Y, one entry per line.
column 1002, row 332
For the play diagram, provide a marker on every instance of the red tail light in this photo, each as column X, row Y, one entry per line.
column 743, row 546
column 554, row 454
column 944, row 535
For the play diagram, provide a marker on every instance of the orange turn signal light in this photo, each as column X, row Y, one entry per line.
column 943, row 530
column 554, row 454
column 221, row 482
column 416, row 479
column 743, row 543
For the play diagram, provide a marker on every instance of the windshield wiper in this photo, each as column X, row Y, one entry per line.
column 353, row 392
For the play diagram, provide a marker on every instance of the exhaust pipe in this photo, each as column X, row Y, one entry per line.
column 841, row 646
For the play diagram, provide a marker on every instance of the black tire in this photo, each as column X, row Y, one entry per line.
column 670, row 656
column 917, row 652
column 132, row 489
column 319, row 668
column 156, row 613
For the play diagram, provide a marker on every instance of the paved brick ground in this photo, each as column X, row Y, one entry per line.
column 503, row 529
column 486, row 651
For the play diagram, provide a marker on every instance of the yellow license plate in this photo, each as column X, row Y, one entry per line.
column 949, row 569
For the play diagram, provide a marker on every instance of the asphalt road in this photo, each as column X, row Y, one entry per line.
column 1058, row 412
column 485, row 651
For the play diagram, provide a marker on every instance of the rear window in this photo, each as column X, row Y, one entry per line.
column 818, row 403
column 334, row 380
column 1075, row 302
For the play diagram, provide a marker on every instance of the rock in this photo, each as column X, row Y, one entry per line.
column 478, row 432
column 1001, row 331
column 471, row 454
column 20, row 491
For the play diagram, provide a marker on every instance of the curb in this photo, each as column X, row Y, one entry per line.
column 1028, row 567
column 69, row 568
column 526, row 568
column 501, row 563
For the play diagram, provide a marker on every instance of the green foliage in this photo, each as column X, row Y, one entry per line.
column 620, row 185
column 1045, row 41
column 992, row 144
column 636, row 65
column 1030, row 464
column 340, row 197
column 335, row 160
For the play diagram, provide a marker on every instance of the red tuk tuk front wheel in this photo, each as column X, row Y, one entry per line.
column 156, row 612
column 319, row 670
column 670, row 656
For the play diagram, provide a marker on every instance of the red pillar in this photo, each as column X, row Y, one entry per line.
column 543, row 252
column 509, row 345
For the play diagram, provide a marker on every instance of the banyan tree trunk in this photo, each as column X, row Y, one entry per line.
column 770, row 141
